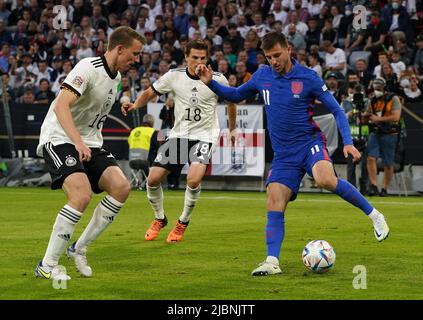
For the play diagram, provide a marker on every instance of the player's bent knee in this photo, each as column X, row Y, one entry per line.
column 327, row 183
column 79, row 199
column 153, row 182
column 120, row 190
column 275, row 204
column 193, row 183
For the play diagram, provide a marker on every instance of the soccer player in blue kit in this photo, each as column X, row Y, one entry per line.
column 288, row 91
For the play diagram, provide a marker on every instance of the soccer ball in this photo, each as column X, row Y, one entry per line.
column 318, row 256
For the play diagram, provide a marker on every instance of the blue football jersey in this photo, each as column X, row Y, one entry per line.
column 289, row 102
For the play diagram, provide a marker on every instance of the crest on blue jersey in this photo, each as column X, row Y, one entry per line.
column 296, row 87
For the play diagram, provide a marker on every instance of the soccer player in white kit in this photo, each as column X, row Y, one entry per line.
column 72, row 146
column 191, row 140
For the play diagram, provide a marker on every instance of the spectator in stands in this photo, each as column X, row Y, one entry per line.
column 301, row 26
column 377, row 32
column 333, row 85
column 345, row 21
column 194, row 26
column 382, row 58
column 181, row 20
column 391, row 80
column 5, row 35
column 336, row 16
column 242, row 74
column 10, row 94
column 4, row 12
column 234, row 38
column 17, row 13
column 418, row 58
column 314, row 64
column 413, row 93
column 66, row 68
column 356, row 37
column 277, row 10
column 86, row 29
column 42, row 72
column 4, row 57
column 252, row 54
column 223, row 67
column 259, row 27
column 384, row 114
column 261, row 59
column 335, row 59
column 28, row 97
column 152, row 46
column 323, row 16
column 215, row 39
column 44, row 94
column 296, row 38
column 243, row 57
column 396, row 18
column 328, row 32
column 159, row 28
column 229, row 56
column 364, row 75
column 405, row 52
column 315, row 6
column 398, row 65
column 242, row 25
column 313, row 33
column 220, row 26
column 299, row 10
column 84, row 50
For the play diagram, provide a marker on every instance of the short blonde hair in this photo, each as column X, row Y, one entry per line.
column 124, row 36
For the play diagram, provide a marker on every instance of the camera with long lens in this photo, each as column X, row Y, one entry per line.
column 359, row 131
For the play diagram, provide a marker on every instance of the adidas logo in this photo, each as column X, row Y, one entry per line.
column 109, row 218
column 65, row 236
column 194, row 89
column 111, row 91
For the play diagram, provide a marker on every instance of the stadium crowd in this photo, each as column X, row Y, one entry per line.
column 35, row 56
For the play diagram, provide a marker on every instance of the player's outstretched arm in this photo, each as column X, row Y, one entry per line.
column 141, row 101
column 64, row 103
column 228, row 93
column 341, row 121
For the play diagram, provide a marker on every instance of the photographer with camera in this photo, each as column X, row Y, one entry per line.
column 354, row 105
column 384, row 113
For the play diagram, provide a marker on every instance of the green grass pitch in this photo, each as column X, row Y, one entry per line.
column 222, row 245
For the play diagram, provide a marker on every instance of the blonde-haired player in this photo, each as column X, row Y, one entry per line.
column 72, row 146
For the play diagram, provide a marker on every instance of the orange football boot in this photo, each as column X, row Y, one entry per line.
column 155, row 228
column 177, row 232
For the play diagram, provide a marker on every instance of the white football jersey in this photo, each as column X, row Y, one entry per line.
column 195, row 104
column 96, row 86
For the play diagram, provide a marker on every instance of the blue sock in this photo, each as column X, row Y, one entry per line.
column 275, row 231
column 349, row 193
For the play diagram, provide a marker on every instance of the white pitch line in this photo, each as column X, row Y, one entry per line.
column 231, row 198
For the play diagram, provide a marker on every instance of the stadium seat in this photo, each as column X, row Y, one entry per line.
column 139, row 169
column 355, row 55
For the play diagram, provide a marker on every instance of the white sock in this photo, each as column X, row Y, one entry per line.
column 63, row 229
column 272, row 260
column 374, row 214
column 191, row 197
column 155, row 197
column 103, row 216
